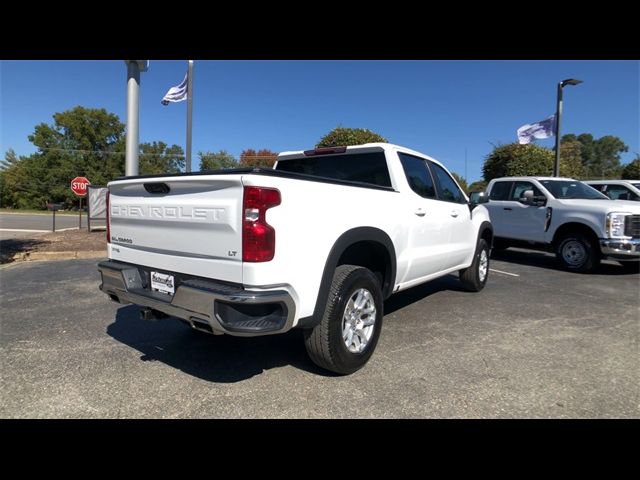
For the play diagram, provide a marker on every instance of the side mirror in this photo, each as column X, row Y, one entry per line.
column 478, row 197
column 528, row 198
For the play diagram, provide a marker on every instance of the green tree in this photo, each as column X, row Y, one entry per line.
column 516, row 159
column 600, row 157
column 216, row 161
column 631, row 171
column 461, row 181
column 157, row 157
column 10, row 177
column 81, row 141
column 262, row 158
column 478, row 186
column 571, row 159
column 341, row 136
column 10, row 159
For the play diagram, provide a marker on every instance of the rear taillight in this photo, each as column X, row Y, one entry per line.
column 258, row 237
column 108, row 220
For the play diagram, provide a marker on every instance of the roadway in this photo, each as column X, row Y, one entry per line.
column 26, row 225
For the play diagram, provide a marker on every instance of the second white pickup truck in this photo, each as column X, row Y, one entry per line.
column 316, row 243
column 565, row 216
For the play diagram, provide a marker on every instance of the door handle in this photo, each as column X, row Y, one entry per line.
column 420, row 212
column 508, row 208
column 454, row 213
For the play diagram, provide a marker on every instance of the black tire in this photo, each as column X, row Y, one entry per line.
column 577, row 253
column 325, row 343
column 475, row 277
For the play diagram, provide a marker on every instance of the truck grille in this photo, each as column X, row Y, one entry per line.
column 632, row 226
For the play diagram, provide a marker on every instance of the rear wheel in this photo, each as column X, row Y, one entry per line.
column 475, row 277
column 576, row 253
column 348, row 334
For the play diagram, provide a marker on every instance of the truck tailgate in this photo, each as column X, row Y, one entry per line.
column 183, row 224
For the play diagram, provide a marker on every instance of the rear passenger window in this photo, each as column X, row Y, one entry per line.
column 418, row 175
column 500, row 191
column 447, row 188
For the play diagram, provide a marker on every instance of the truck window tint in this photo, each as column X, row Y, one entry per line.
column 447, row 188
column 521, row 187
column 500, row 191
column 418, row 175
column 368, row 167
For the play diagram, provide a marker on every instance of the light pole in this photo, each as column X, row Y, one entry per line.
column 568, row 81
column 134, row 67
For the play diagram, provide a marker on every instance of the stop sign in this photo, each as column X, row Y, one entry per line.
column 79, row 186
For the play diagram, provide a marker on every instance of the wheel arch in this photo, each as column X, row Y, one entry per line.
column 575, row 227
column 486, row 232
column 365, row 246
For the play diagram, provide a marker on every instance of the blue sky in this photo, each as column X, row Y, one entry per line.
column 440, row 108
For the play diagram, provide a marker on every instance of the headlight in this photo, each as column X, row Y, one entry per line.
column 615, row 225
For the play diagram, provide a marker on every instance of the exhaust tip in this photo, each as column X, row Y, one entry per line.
column 151, row 315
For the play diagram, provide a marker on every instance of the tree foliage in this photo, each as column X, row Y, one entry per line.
column 261, row 158
column 216, row 160
column 81, row 141
column 157, row 157
column 461, row 181
column 570, row 159
column 514, row 159
column 478, row 186
column 341, row 136
column 631, row 171
column 600, row 157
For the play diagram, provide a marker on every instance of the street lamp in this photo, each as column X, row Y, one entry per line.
column 568, row 81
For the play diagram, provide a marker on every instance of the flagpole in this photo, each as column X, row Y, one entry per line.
column 189, row 114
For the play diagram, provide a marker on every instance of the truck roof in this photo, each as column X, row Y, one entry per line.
column 535, row 178
column 385, row 146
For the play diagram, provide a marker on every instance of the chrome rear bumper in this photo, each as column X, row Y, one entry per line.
column 224, row 308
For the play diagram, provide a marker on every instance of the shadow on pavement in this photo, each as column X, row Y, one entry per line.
column 219, row 358
column 227, row 359
column 534, row 258
column 417, row 293
column 11, row 246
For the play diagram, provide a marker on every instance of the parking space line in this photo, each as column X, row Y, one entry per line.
column 21, row 230
column 504, row 273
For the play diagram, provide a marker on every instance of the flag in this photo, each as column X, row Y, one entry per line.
column 177, row 93
column 542, row 129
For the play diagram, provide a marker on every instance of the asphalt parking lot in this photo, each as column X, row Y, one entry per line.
column 538, row 342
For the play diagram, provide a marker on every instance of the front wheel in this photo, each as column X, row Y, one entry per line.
column 475, row 277
column 577, row 254
column 347, row 335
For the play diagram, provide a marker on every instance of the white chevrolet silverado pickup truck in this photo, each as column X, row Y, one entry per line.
column 578, row 223
column 318, row 242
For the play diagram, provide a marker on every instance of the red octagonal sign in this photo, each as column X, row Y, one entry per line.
column 79, row 186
